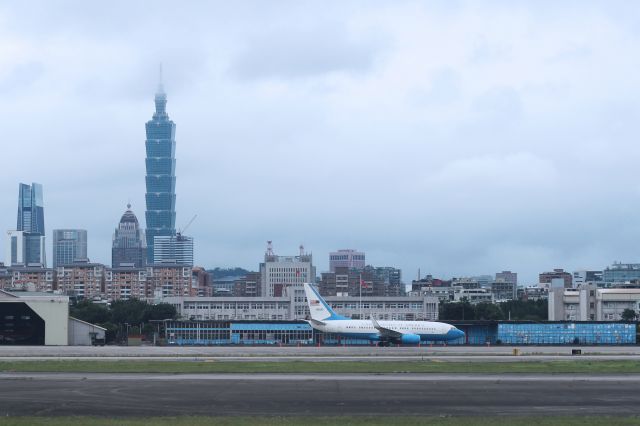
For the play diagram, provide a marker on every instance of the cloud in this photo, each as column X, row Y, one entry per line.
column 304, row 52
column 21, row 76
column 450, row 136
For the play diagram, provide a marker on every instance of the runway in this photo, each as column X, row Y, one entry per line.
column 477, row 353
column 316, row 394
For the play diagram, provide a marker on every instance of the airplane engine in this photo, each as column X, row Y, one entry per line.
column 410, row 339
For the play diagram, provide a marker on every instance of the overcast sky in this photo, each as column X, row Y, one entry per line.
column 461, row 138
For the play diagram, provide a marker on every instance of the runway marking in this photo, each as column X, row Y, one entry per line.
column 412, row 377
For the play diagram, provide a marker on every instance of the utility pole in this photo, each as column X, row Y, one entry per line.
column 360, row 288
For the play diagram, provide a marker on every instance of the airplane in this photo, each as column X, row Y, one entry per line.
column 324, row 319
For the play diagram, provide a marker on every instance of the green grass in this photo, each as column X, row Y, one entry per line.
column 321, row 421
column 140, row 366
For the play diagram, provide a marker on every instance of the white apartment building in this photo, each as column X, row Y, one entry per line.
column 277, row 273
column 589, row 303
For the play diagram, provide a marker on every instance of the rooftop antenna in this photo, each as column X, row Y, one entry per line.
column 269, row 248
column 301, row 250
column 160, row 83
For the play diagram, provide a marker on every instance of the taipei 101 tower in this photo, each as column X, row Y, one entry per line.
column 161, row 173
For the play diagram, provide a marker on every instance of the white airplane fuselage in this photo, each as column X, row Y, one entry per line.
column 325, row 319
column 427, row 330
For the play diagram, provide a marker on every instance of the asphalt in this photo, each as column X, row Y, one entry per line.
column 113, row 395
column 287, row 352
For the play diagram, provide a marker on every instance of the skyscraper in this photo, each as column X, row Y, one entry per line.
column 129, row 248
column 69, row 246
column 161, row 177
column 30, row 250
column 30, row 209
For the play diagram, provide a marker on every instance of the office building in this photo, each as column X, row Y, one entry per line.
column 505, row 286
column 69, row 246
column 14, row 250
column 504, row 290
column 368, row 281
column 176, row 249
column 585, row 277
column 279, row 272
column 348, row 258
column 548, row 277
column 621, row 273
column 161, row 177
column 26, row 244
column 247, row 286
column 507, row 277
column 31, row 209
column 129, row 248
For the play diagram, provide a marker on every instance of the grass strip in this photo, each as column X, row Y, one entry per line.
column 141, row 366
column 324, row 421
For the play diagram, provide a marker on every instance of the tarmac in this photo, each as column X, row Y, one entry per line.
column 323, row 353
column 116, row 395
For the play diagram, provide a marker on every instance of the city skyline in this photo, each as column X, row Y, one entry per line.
column 509, row 147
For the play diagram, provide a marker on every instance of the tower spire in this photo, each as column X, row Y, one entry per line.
column 160, row 84
column 161, row 97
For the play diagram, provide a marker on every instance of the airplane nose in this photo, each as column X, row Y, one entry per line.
column 459, row 333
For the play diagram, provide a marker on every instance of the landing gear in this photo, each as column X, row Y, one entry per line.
column 383, row 343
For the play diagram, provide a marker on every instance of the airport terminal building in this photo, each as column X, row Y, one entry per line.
column 293, row 306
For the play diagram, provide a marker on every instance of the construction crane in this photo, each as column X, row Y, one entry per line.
column 180, row 231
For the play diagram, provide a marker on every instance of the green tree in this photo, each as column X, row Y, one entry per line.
column 160, row 311
column 462, row 310
column 488, row 311
column 90, row 312
column 629, row 315
column 130, row 311
column 533, row 310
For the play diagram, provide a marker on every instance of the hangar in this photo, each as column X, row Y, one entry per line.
column 42, row 319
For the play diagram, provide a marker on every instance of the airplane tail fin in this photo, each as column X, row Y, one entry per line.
column 318, row 308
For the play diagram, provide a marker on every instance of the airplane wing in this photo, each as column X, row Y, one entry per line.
column 386, row 332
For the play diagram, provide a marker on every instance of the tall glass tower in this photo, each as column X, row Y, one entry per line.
column 161, row 174
column 26, row 244
column 30, row 209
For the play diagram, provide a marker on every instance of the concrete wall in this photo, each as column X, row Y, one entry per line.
column 80, row 332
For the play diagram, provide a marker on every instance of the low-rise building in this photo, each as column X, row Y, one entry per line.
column 547, row 277
column 589, row 303
column 126, row 283
column 293, row 306
column 168, row 281
column 504, row 290
column 30, row 278
column 472, row 295
column 81, row 279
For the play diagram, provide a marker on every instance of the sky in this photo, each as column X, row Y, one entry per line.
column 451, row 137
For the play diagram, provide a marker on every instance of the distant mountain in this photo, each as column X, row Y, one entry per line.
column 218, row 273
